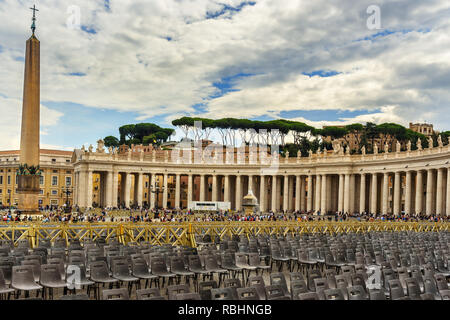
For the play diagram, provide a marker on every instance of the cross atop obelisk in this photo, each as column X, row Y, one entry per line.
column 33, row 25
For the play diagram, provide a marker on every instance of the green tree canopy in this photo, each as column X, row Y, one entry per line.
column 111, row 141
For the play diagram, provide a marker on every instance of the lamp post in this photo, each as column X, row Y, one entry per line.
column 156, row 189
column 67, row 191
column 9, row 192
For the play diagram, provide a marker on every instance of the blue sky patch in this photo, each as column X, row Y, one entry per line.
column 229, row 9
column 321, row 73
column 324, row 115
column 88, row 29
column 226, row 84
column 77, row 74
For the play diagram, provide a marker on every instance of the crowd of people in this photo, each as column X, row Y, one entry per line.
column 145, row 215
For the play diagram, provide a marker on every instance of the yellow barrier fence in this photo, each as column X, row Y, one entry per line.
column 185, row 233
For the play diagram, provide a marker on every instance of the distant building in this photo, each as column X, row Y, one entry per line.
column 57, row 173
column 423, row 128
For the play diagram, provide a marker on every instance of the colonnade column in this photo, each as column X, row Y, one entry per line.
column 238, row 193
column 177, row 191
column 323, row 193
column 285, row 193
column 81, row 189
column 341, row 193
column 140, row 189
column 419, row 192
column 226, row 189
column 202, row 187
column 448, row 193
column 291, row 195
column 318, row 189
column 165, row 191
column 385, row 193
column 408, row 192
column 152, row 195
column 429, row 199
column 396, row 209
column 362, row 194
column 298, row 189
column 347, row 194
column 309, row 195
column 374, row 191
column 190, row 186
column 274, row 193
column 115, row 189
column 302, row 193
column 127, row 193
column 214, row 188
column 262, row 194
column 89, row 191
column 439, row 191
column 352, row 194
column 109, row 189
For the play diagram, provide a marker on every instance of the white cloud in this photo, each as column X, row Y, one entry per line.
column 10, row 122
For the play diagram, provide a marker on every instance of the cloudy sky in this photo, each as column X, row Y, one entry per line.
column 129, row 61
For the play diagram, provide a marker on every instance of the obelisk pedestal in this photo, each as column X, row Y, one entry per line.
column 28, row 182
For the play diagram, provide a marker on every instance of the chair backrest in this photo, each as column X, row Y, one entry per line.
column 249, row 293
column 241, row 258
column 187, row 296
column 74, row 297
column 116, row 294
column 158, row 266
column 173, row 290
column 205, row 289
column 430, row 285
column 2, row 280
column 211, row 262
column 308, row 296
column 274, row 291
column 50, row 273
column 177, row 264
column 222, row 294
column 356, row 292
column 321, row 284
column 412, row 287
column 395, row 289
column 254, row 259
column 441, row 281
column 299, row 286
column 7, row 272
column 99, row 269
column 194, row 262
column 445, row 294
column 148, row 294
column 333, row 294
column 120, row 268
column 279, row 279
column 293, row 276
column 311, row 283
column 22, row 275
column 358, row 280
column 232, row 283
column 376, row 295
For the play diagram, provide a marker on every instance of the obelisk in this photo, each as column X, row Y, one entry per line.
column 28, row 186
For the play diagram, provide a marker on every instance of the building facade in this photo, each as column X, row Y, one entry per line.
column 424, row 128
column 387, row 183
column 57, row 175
